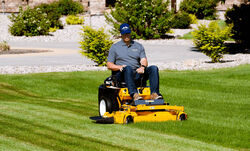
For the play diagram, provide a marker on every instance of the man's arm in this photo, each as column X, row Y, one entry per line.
column 114, row 67
column 144, row 63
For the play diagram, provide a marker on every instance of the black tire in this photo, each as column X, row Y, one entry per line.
column 105, row 106
column 129, row 120
column 183, row 117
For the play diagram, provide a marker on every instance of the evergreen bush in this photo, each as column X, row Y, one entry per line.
column 202, row 9
column 31, row 22
column 148, row 19
column 74, row 20
column 53, row 29
column 194, row 19
column 53, row 14
column 95, row 44
column 239, row 16
column 210, row 40
column 181, row 20
column 69, row 7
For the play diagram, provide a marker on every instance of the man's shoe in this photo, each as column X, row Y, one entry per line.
column 136, row 96
column 155, row 96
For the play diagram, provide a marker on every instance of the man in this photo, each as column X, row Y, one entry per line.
column 128, row 60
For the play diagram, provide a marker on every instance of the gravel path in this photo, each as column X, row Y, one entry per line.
column 70, row 34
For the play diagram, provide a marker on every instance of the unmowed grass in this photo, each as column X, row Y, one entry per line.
column 50, row 111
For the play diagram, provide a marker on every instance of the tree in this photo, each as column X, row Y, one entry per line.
column 148, row 19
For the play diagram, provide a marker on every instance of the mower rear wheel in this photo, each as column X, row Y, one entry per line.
column 183, row 117
column 104, row 106
column 129, row 120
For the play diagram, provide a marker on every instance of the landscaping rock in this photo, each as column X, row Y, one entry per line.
column 71, row 34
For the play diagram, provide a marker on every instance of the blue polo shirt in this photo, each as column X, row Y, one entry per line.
column 121, row 54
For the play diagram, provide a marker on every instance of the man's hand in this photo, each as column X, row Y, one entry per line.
column 140, row 70
column 121, row 67
column 114, row 67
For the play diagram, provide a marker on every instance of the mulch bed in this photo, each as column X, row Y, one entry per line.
column 22, row 51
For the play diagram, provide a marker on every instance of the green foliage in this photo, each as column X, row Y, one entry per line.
column 74, row 20
column 210, row 40
column 240, row 18
column 181, row 20
column 148, row 19
column 31, row 22
column 194, row 19
column 53, row 29
column 53, row 14
column 4, row 46
column 95, row 44
column 222, row 23
column 202, row 9
column 69, row 7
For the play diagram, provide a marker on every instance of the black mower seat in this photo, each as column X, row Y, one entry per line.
column 121, row 84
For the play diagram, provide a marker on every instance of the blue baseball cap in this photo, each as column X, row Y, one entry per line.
column 124, row 29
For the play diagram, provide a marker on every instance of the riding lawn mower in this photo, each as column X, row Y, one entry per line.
column 117, row 106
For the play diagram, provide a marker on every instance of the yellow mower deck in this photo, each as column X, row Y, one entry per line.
column 144, row 113
column 124, row 110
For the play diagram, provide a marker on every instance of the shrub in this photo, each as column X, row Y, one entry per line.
column 74, row 20
column 4, row 46
column 194, row 19
column 53, row 29
column 31, row 22
column 181, row 20
column 210, row 40
column 239, row 17
column 148, row 19
column 95, row 44
column 69, row 7
column 202, row 9
column 53, row 14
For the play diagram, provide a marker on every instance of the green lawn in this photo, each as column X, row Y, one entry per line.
column 187, row 36
column 51, row 111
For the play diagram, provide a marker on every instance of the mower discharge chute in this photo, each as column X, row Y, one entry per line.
column 117, row 106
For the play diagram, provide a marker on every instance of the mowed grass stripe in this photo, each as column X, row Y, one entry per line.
column 48, row 128
column 57, row 126
column 58, row 106
column 12, row 144
column 67, row 105
column 73, row 85
column 218, row 113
